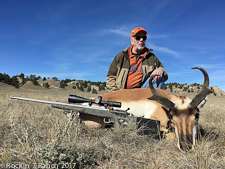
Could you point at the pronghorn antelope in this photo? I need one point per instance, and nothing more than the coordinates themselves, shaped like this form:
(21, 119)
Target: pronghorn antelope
(174, 112)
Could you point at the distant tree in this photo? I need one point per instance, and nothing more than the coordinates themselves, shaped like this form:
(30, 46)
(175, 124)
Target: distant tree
(104, 84)
(55, 78)
(171, 87)
(78, 85)
(62, 84)
(94, 91)
(195, 84)
(175, 84)
(84, 84)
(185, 89)
(32, 77)
(46, 85)
(7, 79)
(165, 86)
(74, 87)
(67, 80)
(15, 82)
(21, 76)
(27, 78)
(1, 77)
(81, 88)
(44, 79)
(181, 86)
(34, 81)
(101, 87)
(89, 88)
(96, 83)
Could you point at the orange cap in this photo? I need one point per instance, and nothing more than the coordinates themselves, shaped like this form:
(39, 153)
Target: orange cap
(136, 30)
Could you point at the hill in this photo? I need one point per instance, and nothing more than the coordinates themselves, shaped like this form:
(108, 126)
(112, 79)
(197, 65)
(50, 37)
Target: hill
(74, 86)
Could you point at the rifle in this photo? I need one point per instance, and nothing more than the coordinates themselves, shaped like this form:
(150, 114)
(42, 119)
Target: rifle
(150, 127)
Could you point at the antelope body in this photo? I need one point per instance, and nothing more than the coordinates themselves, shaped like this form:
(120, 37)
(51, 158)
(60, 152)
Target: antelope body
(173, 112)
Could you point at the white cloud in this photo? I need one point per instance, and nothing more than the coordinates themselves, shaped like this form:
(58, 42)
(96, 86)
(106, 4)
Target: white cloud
(124, 31)
(120, 31)
(164, 49)
(157, 36)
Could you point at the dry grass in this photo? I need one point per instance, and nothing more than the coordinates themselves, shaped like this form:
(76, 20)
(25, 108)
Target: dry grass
(33, 133)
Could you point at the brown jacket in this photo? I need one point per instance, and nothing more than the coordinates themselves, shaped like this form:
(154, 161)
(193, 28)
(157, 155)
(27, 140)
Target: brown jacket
(118, 71)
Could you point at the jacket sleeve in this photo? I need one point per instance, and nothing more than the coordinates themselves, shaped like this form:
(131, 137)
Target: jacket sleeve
(112, 75)
(160, 66)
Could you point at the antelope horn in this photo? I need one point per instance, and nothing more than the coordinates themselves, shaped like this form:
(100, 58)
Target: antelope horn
(204, 91)
(158, 97)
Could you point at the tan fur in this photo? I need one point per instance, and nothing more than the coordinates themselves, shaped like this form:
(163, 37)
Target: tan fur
(92, 121)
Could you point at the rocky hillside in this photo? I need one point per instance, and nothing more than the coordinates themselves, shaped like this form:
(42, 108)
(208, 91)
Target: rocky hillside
(194, 88)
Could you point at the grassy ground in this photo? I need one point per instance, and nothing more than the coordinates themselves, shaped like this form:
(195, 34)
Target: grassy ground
(36, 135)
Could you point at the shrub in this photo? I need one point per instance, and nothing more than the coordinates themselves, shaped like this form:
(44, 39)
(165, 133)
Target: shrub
(101, 87)
(46, 85)
(15, 83)
(81, 88)
(89, 89)
(94, 91)
(185, 89)
(62, 84)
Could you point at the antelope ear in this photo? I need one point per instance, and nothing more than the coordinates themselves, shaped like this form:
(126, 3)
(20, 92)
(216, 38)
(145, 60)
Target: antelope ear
(203, 102)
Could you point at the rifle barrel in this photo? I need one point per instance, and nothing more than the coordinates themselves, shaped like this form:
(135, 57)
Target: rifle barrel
(59, 103)
(33, 100)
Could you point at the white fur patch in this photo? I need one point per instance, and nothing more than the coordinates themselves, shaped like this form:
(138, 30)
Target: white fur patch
(194, 132)
(139, 108)
(203, 102)
(179, 104)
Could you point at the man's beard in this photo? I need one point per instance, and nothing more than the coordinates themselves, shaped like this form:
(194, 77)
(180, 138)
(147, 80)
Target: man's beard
(139, 48)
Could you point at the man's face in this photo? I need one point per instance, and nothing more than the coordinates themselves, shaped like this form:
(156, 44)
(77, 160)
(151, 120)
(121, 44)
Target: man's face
(139, 44)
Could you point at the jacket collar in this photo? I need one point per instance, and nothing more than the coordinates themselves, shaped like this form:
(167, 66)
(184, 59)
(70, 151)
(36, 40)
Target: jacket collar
(125, 51)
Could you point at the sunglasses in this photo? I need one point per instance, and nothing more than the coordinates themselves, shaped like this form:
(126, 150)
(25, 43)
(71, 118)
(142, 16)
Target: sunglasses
(139, 37)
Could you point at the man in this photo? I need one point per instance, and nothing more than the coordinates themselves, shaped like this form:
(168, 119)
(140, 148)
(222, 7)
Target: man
(133, 67)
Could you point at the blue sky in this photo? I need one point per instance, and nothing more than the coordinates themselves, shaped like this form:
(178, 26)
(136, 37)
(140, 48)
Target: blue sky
(78, 39)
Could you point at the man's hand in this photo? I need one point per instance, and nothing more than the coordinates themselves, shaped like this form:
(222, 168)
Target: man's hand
(157, 72)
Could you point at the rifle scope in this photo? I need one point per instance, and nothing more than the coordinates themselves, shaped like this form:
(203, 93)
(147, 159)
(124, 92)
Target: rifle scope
(106, 103)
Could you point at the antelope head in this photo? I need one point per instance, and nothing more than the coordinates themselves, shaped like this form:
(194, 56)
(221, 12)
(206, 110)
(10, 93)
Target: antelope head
(184, 113)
